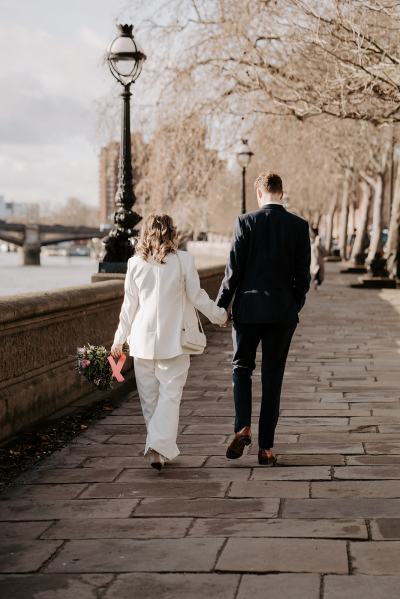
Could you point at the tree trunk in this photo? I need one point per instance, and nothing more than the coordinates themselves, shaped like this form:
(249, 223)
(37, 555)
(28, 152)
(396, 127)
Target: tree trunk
(329, 228)
(358, 252)
(344, 216)
(376, 234)
(392, 250)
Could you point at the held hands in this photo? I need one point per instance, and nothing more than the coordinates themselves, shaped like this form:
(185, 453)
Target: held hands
(116, 351)
(228, 319)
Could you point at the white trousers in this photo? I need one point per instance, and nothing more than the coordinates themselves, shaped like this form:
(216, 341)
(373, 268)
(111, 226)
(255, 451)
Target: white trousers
(160, 385)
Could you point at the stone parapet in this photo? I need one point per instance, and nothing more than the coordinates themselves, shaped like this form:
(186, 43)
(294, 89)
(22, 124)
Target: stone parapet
(39, 335)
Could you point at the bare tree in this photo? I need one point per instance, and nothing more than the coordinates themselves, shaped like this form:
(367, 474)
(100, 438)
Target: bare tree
(179, 171)
(358, 251)
(325, 64)
(392, 249)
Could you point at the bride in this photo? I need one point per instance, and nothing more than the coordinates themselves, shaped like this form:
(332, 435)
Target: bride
(151, 320)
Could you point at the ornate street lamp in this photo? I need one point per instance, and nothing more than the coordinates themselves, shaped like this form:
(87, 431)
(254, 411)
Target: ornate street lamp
(125, 61)
(244, 155)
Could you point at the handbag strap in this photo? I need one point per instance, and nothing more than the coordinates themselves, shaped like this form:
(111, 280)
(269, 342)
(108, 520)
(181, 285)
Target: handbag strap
(183, 279)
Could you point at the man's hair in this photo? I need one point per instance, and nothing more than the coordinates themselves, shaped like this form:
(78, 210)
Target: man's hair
(269, 183)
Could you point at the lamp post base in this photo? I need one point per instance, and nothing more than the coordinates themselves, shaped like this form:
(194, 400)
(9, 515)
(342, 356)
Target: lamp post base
(371, 282)
(113, 267)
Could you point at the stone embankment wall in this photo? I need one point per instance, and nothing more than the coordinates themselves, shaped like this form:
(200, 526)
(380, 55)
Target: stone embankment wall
(39, 335)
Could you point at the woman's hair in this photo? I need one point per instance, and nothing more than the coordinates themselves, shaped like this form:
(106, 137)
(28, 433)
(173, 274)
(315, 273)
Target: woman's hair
(158, 238)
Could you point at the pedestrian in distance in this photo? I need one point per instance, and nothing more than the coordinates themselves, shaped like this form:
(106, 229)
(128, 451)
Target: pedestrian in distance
(318, 253)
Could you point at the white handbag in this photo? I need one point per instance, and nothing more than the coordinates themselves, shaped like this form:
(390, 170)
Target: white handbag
(193, 339)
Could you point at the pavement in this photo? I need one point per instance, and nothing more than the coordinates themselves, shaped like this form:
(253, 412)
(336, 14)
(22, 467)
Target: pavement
(95, 521)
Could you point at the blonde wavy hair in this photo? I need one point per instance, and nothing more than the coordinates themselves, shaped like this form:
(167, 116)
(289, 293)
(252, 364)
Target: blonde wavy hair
(158, 238)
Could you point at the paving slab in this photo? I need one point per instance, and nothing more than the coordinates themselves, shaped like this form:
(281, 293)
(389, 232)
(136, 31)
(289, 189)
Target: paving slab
(361, 587)
(385, 529)
(390, 471)
(205, 508)
(386, 448)
(279, 586)
(193, 440)
(269, 489)
(73, 475)
(53, 586)
(20, 509)
(345, 448)
(250, 461)
(121, 463)
(356, 488)
(156, 488)
(25, 556)
(348, 437)
(372, 460)
(293, 473)
(173, 586)
(236, 527)
(45, 491)
(188, 474)
(349, 507)
(23, 530)
(127, 555)
(117, 528)
(277, 555)
(375, 558)
(100, 450)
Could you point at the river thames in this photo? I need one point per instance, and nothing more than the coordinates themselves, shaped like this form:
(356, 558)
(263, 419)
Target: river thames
(56, 272)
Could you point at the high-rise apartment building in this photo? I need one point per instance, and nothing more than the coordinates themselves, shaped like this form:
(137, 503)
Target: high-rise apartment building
(109, 159)
(109, 156)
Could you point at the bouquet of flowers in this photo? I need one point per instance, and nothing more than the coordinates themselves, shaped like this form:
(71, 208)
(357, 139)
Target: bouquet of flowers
(94, 365)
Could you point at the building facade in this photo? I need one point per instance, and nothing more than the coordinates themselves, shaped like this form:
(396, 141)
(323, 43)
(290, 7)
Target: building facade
(109, 156)
(19, 211)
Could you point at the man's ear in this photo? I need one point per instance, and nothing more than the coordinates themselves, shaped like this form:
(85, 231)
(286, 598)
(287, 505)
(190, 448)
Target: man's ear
(259, 193)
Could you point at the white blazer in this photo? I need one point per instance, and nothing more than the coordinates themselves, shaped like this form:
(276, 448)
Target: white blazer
(151, 317)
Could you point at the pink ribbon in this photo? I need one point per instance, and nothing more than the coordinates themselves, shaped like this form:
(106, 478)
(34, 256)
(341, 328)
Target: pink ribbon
(116, 368)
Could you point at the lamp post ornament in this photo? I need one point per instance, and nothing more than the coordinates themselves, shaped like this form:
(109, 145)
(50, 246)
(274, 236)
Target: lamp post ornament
(244, 156)
(125, 61)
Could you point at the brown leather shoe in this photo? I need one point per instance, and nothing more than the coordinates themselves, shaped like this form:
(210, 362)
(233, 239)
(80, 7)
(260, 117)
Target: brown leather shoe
(236, 448)
(265, 459)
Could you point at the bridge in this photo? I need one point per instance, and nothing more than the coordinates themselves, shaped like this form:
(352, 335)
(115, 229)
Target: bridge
(31, 237)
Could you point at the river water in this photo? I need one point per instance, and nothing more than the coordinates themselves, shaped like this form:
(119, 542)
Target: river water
(56, 272)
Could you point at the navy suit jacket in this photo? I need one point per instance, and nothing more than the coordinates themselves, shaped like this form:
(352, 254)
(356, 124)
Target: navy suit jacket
(268, 272)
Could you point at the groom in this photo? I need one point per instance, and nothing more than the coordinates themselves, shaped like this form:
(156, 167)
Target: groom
(267, 277)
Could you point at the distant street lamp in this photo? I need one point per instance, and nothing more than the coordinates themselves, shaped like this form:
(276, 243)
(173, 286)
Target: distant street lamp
(244, 157)
(125, 61)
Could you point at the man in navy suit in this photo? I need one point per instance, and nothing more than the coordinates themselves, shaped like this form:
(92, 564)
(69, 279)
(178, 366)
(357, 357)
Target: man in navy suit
(266, 281)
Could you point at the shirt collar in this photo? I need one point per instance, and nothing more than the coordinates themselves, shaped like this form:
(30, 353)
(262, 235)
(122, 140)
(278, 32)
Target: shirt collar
(270, 204)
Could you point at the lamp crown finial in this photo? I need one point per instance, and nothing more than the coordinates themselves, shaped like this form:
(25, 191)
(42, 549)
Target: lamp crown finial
(125, 29)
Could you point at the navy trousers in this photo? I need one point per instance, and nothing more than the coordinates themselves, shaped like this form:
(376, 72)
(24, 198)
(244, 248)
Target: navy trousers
(275, 341)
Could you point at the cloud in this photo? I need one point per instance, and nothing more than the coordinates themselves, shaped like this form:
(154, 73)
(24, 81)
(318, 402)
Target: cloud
(51, 79)
(50, 172)
(33, 116)
(49, 84)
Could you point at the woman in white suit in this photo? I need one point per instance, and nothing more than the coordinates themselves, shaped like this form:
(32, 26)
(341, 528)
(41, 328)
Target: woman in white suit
(151, 321)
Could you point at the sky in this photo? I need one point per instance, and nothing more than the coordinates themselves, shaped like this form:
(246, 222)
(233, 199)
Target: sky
(52, 80)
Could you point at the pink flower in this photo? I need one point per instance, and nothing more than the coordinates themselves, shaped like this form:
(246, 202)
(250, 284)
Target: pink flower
(85, 363)
(81, 350)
